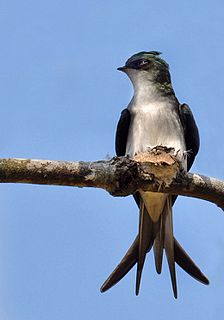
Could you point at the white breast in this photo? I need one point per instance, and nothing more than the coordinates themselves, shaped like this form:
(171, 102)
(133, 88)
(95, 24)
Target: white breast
(154, 124)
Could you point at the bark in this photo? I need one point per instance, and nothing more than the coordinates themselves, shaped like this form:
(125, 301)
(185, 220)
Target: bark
(157, 171)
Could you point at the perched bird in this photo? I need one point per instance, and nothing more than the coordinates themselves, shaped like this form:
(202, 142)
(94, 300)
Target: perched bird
(154, 117)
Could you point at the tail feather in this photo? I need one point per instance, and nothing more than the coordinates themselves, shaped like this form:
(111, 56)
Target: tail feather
(169, 243)
(159, 234)
(158, 246)
(187, 264)
(131, 257)
(145, 238)
(125, 265)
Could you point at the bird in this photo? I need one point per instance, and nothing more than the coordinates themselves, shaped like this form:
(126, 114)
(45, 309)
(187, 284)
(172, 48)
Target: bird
(154, 117)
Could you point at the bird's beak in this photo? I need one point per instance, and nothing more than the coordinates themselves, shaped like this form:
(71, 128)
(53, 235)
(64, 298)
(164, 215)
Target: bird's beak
(123, 69)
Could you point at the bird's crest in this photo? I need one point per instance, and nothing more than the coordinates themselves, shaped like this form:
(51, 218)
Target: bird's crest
(149, 55)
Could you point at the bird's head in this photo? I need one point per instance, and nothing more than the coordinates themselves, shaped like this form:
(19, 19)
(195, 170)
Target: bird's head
(148, 68)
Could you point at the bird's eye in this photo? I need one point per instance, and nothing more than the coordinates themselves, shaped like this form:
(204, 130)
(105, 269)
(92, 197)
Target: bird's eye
(143, 63)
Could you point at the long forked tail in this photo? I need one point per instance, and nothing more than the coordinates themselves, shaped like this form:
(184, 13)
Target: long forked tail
(156, 236)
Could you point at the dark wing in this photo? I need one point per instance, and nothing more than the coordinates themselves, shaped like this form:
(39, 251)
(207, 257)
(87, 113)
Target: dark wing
(191, 133)
(122, 133)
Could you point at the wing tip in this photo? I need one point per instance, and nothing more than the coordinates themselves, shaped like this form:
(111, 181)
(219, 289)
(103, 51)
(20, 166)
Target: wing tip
(109, 283)
(203, 279)
(187, 264)
(103, 289)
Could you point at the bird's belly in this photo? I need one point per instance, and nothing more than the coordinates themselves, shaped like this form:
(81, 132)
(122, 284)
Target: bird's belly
(152, 127)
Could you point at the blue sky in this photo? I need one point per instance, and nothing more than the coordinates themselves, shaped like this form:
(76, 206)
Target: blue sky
(61, 98)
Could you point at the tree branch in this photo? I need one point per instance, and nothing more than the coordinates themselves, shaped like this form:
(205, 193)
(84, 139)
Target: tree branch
(157, 171)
